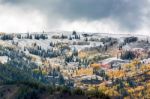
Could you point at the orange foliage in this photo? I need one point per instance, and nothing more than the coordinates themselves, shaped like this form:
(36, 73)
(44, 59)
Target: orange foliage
(116, 73)
(95, 66)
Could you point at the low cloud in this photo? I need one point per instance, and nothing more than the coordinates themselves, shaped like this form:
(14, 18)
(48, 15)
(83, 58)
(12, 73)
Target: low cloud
(95, 15)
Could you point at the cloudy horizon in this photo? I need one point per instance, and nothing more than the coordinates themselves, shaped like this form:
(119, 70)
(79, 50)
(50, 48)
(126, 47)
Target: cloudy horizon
(106, 16)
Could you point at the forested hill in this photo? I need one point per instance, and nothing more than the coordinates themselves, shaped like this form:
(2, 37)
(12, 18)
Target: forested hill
(18, 81)
(17, 84)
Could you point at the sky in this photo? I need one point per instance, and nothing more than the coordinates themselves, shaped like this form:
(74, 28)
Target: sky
(103, 16)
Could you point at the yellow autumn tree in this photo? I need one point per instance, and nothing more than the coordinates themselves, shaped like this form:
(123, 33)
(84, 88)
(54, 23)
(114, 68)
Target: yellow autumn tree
(84, 71)
(145, 67)
(116, 73)
(94, 65)
(111, 92)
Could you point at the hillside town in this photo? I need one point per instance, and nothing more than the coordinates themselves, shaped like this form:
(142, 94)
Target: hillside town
(116, 65)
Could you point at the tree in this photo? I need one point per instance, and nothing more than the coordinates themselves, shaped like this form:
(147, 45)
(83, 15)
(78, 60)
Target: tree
(86, 39)
(74, 33)
(61, 80)
(129, 55)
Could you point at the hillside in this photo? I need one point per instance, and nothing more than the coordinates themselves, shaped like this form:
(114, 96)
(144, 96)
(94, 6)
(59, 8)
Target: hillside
(17, 84)
(47, 65)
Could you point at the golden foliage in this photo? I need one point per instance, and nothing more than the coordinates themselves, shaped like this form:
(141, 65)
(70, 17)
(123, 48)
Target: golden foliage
(82, 54)
(135, 62)
(139, 88)
(91, 88)
(95, 66)
(84, 71)
(111, 92)
(116, 73)
(132, 64)
(130, 90)
(145, 67)
(102, 88)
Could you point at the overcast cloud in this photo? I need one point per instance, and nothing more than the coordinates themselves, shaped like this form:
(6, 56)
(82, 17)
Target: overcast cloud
(125, 16)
